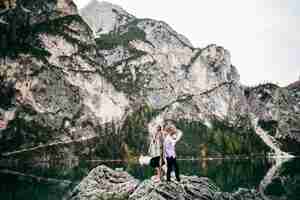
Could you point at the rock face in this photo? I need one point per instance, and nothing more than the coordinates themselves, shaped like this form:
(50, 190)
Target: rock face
(61, 84)
(152, 63)
(278, 112)
(49, 9)
(103, 17)
(50, 89)
(104, 183)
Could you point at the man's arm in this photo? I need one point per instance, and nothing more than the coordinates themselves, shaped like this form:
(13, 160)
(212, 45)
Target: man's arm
(179, 135)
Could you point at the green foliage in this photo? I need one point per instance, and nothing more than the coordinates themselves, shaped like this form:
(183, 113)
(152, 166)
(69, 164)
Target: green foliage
(114, 39)
(192, 138)
(125, 81)
(266, 84)
(109, 145)
(7, 91)
(13, 51)
(25, 131)
(136, 130)
(269, 126)
(108, 41)
(221, 140)
(28, 37)
(60, 26)
(133, 134)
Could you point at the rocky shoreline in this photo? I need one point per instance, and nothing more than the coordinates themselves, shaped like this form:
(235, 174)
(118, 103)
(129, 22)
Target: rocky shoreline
(103, 183)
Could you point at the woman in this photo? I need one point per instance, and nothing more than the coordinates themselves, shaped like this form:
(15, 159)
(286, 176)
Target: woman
(156, 160)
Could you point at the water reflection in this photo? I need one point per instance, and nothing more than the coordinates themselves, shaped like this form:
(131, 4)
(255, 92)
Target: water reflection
(229, 175)
(282, 181)
(17, 188)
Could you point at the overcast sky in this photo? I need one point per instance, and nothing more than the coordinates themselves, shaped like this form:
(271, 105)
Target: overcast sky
(263, 36)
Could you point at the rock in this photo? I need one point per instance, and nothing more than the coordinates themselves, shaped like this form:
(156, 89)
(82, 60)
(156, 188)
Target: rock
(241, 194)
(53, 94)
(104, 183)
(42, 11)
(104, 17)
(150, 62)
(278, 111)
(189, 188)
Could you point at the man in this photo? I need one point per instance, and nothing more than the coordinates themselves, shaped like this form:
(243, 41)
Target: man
(169, 146)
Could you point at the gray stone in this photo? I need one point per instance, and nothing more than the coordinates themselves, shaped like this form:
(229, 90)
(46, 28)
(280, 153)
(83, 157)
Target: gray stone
(106, 184)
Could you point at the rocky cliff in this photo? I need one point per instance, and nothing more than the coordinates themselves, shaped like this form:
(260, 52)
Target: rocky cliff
(50, 88)
(66, 80)
(150, 62)
(278, 112)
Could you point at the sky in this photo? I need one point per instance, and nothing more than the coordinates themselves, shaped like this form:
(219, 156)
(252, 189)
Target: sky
(263, 36)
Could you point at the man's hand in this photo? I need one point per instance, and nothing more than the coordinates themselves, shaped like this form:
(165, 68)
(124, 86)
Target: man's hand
(3, 124)
(178, 135)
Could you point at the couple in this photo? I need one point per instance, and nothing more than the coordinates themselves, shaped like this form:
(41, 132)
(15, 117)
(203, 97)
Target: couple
(163, 148)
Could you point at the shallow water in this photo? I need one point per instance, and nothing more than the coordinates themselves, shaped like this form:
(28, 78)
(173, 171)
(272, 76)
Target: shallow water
(29, 181)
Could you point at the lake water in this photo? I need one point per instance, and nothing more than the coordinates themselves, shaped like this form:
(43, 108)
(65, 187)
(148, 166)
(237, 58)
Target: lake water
(30, 181)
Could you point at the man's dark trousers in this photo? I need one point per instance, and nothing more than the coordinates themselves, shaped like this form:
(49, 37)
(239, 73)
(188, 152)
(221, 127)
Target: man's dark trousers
(171, 162)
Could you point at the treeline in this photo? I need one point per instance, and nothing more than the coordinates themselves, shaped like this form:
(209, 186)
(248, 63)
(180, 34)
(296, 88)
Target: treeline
(131, 138)
(126, 141)
(222, 139)
(114, 39)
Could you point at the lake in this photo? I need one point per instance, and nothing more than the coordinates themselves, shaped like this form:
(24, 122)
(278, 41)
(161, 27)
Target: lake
(44, 181)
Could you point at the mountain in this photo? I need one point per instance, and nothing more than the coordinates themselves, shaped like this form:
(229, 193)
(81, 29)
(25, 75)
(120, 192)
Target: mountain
(41, 102)
(104, 17)
(100, 82)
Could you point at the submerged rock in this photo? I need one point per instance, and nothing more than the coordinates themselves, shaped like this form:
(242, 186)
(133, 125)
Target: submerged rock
(241, 194)
(105, 183)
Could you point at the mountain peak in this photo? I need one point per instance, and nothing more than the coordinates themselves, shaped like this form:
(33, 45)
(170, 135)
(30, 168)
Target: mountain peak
(104, 17)
(103, 4)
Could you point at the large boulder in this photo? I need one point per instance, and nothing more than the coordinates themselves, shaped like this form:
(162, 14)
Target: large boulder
(190, 188)
(104, 183)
